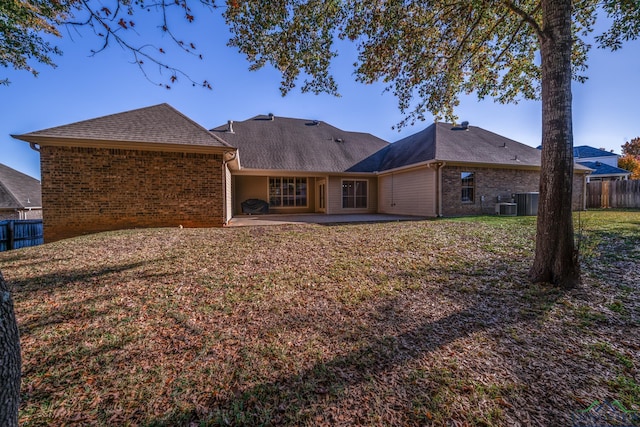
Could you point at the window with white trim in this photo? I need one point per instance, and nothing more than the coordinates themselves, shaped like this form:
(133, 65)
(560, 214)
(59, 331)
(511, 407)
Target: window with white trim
(287, 192)
(354, 193)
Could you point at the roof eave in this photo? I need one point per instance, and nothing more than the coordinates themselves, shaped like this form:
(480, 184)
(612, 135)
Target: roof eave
(301, 173)
(45, 141)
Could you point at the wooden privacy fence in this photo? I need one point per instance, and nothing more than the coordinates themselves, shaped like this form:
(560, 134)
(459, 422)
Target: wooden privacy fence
(613, 194)
(20, 234)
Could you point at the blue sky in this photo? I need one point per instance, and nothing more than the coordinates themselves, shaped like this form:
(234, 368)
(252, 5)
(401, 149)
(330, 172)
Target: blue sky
(605, 109)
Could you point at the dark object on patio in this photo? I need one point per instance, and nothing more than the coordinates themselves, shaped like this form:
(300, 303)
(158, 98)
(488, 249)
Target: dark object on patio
(255, 206)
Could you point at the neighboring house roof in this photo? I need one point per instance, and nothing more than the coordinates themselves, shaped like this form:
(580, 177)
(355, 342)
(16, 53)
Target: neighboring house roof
(584, 151)
(603, 169)
(158, 124)
(17, 190)
(280, 143)
(456, 144)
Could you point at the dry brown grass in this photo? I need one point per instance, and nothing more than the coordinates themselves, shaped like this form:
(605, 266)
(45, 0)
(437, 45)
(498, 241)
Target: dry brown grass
(407, 323)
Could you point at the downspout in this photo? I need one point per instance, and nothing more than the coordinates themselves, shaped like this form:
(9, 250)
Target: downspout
(584, 191)
(34, 146)
(224, 183)
(439, 173)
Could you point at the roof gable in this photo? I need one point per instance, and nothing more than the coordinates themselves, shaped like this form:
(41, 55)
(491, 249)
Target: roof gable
(158, 124)
(18, 190)
(449, 143)
(281, 143)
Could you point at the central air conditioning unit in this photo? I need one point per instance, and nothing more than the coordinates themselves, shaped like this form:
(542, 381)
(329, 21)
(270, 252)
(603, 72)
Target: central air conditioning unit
(527, 203)
(506, 209)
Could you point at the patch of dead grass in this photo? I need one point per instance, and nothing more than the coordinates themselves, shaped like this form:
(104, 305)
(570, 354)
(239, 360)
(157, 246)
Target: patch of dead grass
(408, 323)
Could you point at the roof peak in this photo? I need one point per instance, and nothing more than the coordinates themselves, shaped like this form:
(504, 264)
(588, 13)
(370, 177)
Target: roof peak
(159, 124)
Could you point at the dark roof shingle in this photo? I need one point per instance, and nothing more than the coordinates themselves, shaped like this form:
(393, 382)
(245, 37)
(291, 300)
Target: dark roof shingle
(281, 143)
(18, 190)
(161, 124)
(449, 143)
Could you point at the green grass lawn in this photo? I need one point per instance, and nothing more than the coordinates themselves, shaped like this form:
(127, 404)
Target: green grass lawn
(408, 323)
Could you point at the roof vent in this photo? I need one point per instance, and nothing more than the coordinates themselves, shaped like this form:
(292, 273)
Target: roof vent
(316, 123)
(230, 126)
(271, 116)
(465, 125)
(338, 140)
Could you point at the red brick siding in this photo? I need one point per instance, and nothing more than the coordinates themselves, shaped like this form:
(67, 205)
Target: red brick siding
(87, 190)
(491, 183)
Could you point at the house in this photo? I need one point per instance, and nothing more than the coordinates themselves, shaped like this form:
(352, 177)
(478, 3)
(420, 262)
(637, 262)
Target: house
(20, 196)
(155, 167)
(604, 164)
(301, 166)
(142, 168)
(310, 166)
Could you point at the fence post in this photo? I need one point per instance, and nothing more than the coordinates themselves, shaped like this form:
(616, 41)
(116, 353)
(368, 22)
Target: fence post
(10, 235)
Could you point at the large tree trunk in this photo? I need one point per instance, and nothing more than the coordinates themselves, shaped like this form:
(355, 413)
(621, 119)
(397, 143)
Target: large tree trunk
(9, 359)
(556, 259)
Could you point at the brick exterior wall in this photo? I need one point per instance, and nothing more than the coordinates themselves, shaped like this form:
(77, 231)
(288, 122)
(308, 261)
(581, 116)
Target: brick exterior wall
(86, 190)
(491, 183)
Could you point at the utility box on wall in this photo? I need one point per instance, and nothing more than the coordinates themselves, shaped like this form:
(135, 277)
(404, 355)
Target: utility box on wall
(506, 209)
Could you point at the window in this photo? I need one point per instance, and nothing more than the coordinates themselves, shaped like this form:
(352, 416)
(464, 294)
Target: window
(287, 192)
(354, 193)
(468, 187)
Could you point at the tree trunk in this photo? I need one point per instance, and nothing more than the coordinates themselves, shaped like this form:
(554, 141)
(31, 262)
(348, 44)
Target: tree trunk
(9, 359)
(556, 258)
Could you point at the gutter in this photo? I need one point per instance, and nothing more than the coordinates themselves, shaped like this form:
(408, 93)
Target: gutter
(439, 175)
(234, 155)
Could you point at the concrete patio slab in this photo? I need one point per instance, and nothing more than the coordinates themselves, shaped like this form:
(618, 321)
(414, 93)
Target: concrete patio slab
(279, 219)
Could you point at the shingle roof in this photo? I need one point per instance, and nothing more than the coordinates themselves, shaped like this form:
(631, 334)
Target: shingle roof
(600, 169)
(298, 145)
(17, 190)
(449, 143)
(584, 151)
(161, 124)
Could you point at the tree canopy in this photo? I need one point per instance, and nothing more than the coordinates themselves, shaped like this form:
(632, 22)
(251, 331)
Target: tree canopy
(632, 147)
(427, 52)
(22, 28)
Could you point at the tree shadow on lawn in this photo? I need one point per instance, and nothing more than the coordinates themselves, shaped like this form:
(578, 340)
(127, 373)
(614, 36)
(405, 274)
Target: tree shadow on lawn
(65, 278)
(79, 309)
(309, 396)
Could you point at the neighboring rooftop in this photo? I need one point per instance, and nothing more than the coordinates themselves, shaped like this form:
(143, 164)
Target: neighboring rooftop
(585, 152)
(160, 124)
(281, 143)
(18, 190)
(603, 169)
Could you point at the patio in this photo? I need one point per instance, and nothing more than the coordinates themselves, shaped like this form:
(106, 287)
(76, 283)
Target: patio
(280, 219)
